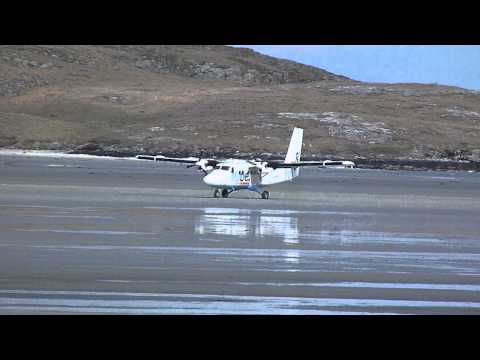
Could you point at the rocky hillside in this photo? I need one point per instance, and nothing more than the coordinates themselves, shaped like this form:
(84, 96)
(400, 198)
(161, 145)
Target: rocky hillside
(125, 100)
(46, 65)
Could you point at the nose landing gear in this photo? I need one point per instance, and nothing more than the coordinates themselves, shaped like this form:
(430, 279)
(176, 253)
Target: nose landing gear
(265, 194)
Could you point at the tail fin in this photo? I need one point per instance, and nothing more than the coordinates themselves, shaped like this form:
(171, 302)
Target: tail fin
(295, 148)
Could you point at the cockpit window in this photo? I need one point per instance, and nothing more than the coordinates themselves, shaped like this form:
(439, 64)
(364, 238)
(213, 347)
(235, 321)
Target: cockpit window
(225, 168)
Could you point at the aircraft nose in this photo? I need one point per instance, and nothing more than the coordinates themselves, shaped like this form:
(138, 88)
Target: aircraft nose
(215, 178)
(210, 179)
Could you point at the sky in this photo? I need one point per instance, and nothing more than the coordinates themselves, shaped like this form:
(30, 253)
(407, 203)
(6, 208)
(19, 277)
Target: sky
(457, 65)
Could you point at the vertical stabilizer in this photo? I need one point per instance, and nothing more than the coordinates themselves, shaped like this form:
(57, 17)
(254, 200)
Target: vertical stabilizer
(295, 148)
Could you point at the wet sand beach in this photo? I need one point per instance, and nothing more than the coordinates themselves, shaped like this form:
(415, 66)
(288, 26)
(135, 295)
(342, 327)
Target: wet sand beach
(120, 236)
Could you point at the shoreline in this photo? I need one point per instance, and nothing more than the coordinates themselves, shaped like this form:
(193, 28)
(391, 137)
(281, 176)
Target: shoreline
(383, 164)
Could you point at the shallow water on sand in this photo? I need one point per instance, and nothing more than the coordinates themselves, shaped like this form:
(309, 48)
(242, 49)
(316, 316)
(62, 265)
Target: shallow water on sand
(70, 243)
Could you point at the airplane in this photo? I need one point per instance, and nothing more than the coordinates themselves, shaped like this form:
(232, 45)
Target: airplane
(229, 175)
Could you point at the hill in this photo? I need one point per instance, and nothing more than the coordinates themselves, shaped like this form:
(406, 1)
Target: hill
(124, 100)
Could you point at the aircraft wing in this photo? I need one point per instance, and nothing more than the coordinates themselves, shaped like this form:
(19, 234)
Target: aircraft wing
(189, 160)
(203, 164)
(282, 164)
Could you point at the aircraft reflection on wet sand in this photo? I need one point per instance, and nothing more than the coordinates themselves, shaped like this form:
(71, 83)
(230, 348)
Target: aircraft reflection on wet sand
(240, 222)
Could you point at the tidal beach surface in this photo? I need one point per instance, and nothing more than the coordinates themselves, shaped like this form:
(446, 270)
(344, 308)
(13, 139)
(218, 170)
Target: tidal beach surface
(122, 236)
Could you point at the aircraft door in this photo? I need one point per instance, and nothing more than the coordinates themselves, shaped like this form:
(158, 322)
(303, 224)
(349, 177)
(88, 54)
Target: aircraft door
(255, 175)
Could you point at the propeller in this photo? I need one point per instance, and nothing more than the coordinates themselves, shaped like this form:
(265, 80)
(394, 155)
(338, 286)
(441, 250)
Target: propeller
(201, 163)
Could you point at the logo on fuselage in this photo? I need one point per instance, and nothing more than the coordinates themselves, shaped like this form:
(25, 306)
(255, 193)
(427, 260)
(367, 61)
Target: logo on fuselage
(244, 178)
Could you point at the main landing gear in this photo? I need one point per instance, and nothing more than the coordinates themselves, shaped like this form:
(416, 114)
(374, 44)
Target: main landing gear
(224, 193)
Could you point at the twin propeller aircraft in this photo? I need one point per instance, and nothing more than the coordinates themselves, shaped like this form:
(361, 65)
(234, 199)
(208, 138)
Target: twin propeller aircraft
(229, 175)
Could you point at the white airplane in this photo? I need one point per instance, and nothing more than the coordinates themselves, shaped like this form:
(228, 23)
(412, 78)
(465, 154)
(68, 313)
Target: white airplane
(229, 175)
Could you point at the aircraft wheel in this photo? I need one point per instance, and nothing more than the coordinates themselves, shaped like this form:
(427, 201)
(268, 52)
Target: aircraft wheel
(225, 193)
(265, 195)
(216, 193)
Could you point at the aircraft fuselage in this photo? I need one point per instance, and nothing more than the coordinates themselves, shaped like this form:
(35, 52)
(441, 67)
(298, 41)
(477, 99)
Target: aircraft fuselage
(242, 174)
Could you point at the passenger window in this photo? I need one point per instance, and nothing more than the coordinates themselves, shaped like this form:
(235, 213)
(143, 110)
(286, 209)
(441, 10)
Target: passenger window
(232, 170)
